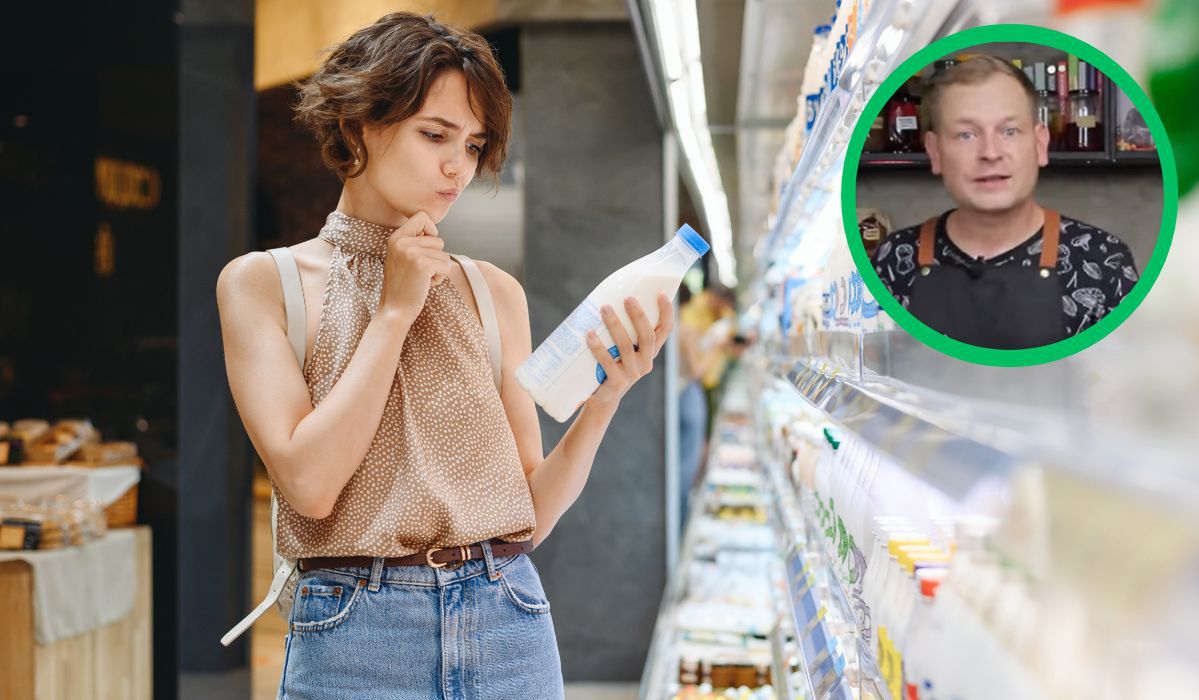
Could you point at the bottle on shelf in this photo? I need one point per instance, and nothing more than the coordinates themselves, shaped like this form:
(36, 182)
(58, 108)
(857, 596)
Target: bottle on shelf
(1063, 106)
(1048, 112)
(903, 122)
(1084, 131)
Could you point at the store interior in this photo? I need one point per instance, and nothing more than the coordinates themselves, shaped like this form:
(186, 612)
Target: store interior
(867, 517)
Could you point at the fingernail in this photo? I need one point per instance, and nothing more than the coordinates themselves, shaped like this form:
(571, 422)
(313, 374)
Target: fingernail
(608, 309)
(628, 301)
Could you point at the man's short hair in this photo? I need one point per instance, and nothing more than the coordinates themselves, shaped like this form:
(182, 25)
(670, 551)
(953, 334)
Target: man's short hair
(972, 71)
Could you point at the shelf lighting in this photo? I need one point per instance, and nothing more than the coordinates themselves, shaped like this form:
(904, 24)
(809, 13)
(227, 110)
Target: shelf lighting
(676, 35)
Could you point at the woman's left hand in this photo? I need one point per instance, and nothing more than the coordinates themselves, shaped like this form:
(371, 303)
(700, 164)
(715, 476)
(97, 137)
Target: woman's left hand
(635, 361)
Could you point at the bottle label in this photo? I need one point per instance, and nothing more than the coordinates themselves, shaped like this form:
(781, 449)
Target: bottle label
(1086, 122)
(553, 356)
(906, 123)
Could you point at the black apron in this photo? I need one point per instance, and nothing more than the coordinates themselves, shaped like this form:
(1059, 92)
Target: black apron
(1008, 307)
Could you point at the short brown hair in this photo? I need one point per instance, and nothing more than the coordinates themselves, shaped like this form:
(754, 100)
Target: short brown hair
(972, 71)
(381, 76)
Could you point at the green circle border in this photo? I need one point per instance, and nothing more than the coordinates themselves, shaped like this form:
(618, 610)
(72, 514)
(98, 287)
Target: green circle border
(964, 40)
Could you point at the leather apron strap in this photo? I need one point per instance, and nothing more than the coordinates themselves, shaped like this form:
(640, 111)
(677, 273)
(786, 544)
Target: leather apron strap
(1004, 307)
(1051, 233)
(926, 251)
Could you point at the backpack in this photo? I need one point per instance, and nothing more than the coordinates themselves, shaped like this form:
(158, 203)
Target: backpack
(283, 586)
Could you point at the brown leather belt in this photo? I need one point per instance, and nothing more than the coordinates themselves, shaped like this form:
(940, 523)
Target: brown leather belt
(436, 558)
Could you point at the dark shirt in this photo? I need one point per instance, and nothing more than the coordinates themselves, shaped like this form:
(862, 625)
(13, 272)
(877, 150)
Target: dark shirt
(1096, 269)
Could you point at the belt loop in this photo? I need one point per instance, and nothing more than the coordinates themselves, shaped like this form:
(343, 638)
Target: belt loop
(492, 574)
(376, 575)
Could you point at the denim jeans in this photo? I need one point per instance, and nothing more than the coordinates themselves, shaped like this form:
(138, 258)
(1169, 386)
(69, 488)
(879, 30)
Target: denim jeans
(693, 426)
(413, 632)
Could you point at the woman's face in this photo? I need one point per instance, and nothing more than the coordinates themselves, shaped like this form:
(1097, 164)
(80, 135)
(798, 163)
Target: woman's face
(424, 162)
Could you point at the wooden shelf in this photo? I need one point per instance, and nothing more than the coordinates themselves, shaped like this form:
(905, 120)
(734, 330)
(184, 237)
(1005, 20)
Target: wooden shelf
(1058, 159)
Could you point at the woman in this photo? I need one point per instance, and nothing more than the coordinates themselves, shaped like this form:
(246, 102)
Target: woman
(408, 487)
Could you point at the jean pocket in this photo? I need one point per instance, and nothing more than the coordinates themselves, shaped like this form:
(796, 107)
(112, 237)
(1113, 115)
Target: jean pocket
(323, 603)
(522, 585)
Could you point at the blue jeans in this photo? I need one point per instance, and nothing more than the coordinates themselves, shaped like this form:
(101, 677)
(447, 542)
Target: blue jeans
(693, 424)
(413, 632)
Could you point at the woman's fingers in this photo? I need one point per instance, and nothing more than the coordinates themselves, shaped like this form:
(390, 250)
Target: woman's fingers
(606, 361)
(665, 323)
(646, 341)
(619, 335)
(419, 224)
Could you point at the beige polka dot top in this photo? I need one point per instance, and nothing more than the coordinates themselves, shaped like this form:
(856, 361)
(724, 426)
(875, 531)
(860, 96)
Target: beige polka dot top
(443, 469)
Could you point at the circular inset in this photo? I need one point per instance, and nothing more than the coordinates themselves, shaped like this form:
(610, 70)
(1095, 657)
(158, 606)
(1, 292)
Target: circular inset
(1026, 283)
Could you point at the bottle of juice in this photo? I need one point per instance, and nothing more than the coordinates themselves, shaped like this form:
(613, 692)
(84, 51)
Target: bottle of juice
(561, 373)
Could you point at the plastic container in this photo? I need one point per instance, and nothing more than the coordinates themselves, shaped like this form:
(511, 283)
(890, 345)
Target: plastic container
(561, 373)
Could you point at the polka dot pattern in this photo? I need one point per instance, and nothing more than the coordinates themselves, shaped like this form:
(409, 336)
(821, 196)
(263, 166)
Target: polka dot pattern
(443, 469)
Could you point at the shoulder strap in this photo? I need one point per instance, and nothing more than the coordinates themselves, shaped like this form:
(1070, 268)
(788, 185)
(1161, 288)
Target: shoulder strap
(491, 331)
(926, 252)
(293, 300)
(1051, 232)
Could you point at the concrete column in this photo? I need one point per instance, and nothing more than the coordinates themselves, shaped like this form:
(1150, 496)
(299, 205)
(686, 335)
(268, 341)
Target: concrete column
(216, 152)
(594, 200)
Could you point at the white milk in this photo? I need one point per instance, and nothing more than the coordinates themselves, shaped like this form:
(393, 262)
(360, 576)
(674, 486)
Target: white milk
(561, 373)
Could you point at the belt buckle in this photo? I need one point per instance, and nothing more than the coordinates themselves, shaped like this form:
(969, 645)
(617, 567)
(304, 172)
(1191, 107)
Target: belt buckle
(452, 566)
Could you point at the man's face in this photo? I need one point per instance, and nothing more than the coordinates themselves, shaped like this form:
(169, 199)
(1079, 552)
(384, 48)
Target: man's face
(988, 147)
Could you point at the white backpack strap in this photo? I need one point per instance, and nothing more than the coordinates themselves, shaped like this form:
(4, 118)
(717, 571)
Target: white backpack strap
(297, 322)
(282, 575)
(293, 300)
(491, 329)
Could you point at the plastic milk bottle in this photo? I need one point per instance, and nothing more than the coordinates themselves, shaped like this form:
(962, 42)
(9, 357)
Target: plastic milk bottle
(561, 373)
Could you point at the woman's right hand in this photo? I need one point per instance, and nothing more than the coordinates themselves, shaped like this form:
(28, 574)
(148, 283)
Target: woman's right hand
(414, 262)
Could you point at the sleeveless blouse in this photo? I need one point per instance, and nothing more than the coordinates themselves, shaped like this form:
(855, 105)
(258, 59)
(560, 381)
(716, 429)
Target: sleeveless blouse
(443, 469)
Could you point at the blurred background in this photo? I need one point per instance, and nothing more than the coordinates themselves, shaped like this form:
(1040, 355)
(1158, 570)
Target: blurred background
(145, 144)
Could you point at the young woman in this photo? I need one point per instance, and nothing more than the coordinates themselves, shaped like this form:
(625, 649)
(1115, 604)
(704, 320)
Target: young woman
(409, 488)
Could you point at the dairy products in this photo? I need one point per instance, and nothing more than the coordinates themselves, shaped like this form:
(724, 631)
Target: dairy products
(561, 373)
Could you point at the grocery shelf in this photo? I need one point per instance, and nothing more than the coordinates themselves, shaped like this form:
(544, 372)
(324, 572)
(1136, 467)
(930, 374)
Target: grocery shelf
(803, 577)
(873, 162)
(869, 55)
(954, 440)
(779, 668)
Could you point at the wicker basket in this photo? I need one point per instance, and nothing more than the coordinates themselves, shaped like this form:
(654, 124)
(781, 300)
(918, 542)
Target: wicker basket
(123, 511)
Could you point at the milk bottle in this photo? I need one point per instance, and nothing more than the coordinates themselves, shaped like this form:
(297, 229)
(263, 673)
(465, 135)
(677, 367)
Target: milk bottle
(561, 373)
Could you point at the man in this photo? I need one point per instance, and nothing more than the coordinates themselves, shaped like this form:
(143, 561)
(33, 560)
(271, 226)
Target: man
(999, 271)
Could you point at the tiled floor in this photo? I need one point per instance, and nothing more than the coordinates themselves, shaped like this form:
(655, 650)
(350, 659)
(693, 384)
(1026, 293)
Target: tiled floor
(266, 644)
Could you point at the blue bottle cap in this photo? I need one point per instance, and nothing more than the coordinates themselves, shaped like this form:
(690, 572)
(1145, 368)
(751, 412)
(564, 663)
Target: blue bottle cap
(693, 239)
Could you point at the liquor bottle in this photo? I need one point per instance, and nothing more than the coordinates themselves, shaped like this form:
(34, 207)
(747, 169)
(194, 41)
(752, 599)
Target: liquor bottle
(1084, 131)
(903, 123)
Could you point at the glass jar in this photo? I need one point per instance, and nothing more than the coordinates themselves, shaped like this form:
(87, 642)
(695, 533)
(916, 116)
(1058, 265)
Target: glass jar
(1084, 129)
(876, 139)
(903, 124)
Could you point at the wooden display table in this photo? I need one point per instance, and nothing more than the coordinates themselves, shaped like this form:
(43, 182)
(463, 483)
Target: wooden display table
(112, 661)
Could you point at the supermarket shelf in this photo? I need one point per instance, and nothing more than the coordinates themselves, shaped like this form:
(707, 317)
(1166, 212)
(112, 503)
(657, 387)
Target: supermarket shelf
(654, 677)
(910, 428)
(1141, 158)
(820, 651)
(803, 577)
(834, 123)
(919, 161)
(780, 676)
(953, 441)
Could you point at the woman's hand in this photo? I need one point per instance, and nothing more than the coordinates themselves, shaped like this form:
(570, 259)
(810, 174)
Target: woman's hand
(414, 262)
(635, 361)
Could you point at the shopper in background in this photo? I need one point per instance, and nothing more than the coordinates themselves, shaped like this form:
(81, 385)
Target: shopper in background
(409, 488)
(705, 344)
(999, 271)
